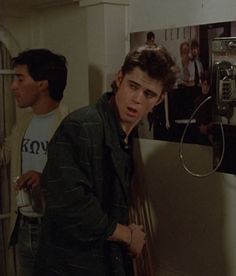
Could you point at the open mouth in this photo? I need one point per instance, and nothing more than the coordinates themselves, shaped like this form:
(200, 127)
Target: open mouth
(132, 112)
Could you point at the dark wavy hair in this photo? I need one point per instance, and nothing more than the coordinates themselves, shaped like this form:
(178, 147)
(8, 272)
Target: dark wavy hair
(43, 64)
(150, 35)
(157, 63)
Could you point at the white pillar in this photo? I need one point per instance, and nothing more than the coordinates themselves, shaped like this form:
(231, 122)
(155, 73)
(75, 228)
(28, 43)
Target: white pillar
(107, 30)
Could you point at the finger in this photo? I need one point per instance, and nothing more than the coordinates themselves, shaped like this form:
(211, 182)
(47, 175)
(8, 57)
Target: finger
(20, 182)
(29, 179)
(24, 182)
(141, 227)
(132, 226)
(35, 184)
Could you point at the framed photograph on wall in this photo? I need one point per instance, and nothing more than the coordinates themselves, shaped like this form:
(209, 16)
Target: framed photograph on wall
(190, 47)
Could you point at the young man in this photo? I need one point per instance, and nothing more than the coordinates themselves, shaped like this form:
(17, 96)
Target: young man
(184, 50)
(204, 115)
(195, 67)
(87, 178)
(39, 80)
(150, 40)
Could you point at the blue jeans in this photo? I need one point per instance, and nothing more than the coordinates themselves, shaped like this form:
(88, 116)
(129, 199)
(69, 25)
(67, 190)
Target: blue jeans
(27, 246)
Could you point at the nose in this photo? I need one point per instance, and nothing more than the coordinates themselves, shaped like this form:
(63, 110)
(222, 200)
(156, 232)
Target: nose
(138, 96)
(13, 86)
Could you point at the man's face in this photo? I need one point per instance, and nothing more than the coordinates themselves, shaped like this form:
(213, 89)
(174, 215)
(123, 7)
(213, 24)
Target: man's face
(205, 87)
(26, 90)
(195, 52)
(137, 94)
(185, 50)
(151, 41)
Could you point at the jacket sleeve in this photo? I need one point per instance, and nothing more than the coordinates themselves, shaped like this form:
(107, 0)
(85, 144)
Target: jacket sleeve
(71, 202)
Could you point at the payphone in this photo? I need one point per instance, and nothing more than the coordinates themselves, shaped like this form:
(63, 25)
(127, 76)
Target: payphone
(223, 87)
(223, 98)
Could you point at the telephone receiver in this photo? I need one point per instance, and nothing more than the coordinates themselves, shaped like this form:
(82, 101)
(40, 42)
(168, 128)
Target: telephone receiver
(223, 89)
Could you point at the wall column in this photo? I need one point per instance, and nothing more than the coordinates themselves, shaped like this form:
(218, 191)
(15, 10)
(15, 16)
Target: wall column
(108, 41)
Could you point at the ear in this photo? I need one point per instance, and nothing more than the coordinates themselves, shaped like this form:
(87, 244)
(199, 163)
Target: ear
(43, 85)
(161, 98)
(119, 78)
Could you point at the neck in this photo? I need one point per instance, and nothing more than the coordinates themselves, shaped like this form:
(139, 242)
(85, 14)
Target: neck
(127, 128)
(45, 106)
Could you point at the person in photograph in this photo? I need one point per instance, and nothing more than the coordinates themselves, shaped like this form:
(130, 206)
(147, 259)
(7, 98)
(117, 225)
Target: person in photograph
(184, 75)
(40, 77)
(150, 40)
(204, 114)
(195, 66)
(87, 178)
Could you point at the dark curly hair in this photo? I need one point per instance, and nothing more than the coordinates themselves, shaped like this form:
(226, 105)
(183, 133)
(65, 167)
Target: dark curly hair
(157, 63)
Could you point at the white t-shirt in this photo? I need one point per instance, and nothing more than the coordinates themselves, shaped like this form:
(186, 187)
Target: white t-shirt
(191, 68)
(34, 149)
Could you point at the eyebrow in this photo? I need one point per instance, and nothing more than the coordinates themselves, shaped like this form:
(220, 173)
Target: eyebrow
(154, 94)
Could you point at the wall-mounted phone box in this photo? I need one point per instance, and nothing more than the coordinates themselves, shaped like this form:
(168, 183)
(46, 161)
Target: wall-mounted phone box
(223, 61)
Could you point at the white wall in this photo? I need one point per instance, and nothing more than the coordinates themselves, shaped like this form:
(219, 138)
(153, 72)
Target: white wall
(15, 33)
(158, 14)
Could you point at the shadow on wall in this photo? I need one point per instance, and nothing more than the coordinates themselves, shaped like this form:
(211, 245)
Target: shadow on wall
(187, 212)
(95, 83)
